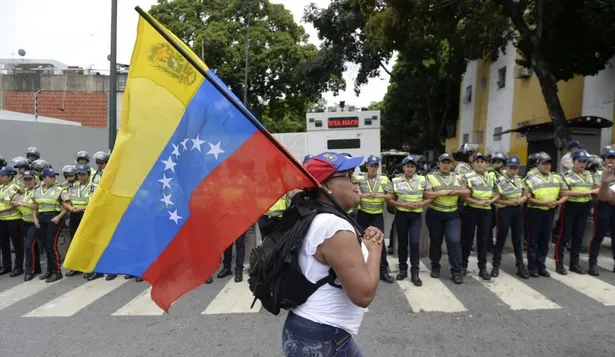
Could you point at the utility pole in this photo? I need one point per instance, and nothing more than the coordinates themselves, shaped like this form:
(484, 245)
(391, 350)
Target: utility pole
(245, 78)
(113, 77)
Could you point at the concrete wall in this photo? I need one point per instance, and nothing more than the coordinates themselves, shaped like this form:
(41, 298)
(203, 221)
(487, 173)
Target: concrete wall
(599, 99)
(57, 143)
(466, 109)
(501, 101)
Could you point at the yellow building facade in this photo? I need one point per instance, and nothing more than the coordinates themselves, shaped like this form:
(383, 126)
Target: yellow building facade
(500, 96)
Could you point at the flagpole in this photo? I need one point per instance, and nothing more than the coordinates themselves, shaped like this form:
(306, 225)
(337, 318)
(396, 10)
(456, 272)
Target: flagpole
(243, 110)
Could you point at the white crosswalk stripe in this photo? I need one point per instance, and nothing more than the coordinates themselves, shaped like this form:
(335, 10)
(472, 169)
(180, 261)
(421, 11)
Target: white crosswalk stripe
(142, 305)
(585, 284)
(514, 293)
(227, 297)
(234, 298)
(432, 296)
(76, 299)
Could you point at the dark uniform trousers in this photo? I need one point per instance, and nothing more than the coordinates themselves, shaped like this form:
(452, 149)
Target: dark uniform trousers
(604, 221)
(573, 221)
(10, 231)
(75, 220)
(509, 218)
(408, 226)
(365, 220)
(32, 252)
(50, 232)
(240, 247)
(479, 221)
(444, 225)
(539, 236)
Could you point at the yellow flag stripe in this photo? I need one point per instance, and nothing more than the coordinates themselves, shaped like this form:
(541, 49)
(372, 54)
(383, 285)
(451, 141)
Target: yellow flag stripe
(160, 85)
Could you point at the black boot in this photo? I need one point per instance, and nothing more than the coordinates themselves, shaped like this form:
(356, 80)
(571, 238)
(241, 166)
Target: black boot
(403, 274)
(386, 277)
(457, 278)
(576, 268)
(544, 273)
(560, 269)
(238, 275)
(522, 271)
(495, 272)
(484, 274)
(111, 277)
(593, 270)
(435, 272)
(414, 278)
(224, 273)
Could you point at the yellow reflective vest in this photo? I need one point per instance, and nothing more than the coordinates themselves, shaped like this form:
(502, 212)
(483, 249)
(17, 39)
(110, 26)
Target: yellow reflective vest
(583, 182)
(446, 184)
(26, 197)
(481, 186)
(509, 189)
(375, 185)
(7, 192)
(408, 190)
(544, 188)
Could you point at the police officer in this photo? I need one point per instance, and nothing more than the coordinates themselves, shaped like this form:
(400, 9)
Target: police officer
(476, 216)
(442, 217)
(25, 204)
(543, 192)
(405, 193)
(53, 203)
(32, 153)
(10, 218)
(498, 165)
(101, 158)
(39, 165)
(574, 213)
(21, 164)
(80, 194)
(240, 247)
(2, 162)
(83, 158)
(510, 215)
(463, 157)
(604, 218)
(371, 206)
(70, 175)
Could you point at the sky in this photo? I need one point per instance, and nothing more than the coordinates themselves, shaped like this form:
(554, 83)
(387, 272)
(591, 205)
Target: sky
(77, 33)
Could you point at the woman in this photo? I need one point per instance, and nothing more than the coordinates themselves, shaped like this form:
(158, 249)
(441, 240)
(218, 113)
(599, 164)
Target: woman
(324, 324)
(25, 204)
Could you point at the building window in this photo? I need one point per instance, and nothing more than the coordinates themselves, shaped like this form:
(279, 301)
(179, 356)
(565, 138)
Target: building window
(451, 129)
(341, 144)
(466, 138)
(468, 95)
(479, 137)
(483, 83)
(497, 134)
(502, 77)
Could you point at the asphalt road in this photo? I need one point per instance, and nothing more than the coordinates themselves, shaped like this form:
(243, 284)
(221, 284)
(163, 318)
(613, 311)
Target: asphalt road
(561, 316)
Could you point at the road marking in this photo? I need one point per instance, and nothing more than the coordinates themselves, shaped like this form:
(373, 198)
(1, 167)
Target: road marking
(586, 284)
(76, 299)
(432, 296)
(234, 298)
(142, 305)
(514, 293)
(22, 291)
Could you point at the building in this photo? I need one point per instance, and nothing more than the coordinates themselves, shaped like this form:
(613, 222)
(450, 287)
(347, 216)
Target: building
(501, 108)
(52, 89)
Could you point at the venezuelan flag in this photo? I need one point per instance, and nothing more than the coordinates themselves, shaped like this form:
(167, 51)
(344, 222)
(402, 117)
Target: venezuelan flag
(189, 173)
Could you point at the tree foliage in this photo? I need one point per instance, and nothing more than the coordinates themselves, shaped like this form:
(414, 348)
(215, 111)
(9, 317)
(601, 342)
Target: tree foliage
(560, 39)
(287, 75)
(434, 41)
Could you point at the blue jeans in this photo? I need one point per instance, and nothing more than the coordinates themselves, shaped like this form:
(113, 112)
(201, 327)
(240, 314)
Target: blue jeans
(305, 338)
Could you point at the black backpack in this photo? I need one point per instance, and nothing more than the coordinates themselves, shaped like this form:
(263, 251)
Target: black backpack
(275, 276)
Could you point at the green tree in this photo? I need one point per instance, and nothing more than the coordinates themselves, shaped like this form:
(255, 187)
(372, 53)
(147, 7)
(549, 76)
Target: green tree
(434, 39)
(560, 39)
(287, 75)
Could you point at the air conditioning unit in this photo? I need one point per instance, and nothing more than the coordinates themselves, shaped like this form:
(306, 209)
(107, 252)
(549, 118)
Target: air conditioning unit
(351, 108)
(525, 72)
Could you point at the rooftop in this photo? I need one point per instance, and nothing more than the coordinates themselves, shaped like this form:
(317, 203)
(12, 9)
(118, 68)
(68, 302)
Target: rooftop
(15, 116)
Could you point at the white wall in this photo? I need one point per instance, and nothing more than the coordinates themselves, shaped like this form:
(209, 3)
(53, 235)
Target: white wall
(500, 107)
(466, 112)
(599, 98)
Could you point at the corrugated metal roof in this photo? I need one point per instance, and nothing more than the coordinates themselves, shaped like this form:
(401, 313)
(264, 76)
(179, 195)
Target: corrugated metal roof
(15, 116)
(17, 61)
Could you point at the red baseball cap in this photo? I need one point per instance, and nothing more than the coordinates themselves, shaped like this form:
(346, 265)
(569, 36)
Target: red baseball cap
(326, 164)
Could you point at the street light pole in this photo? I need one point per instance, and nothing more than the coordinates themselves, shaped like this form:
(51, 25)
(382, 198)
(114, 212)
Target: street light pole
(113, 77)
(245, 78)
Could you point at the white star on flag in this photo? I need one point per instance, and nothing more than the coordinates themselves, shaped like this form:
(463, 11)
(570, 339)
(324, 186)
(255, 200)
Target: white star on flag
(215, 150)
(185, 144)
(175, 150)
(169, 164)
(167, 200)
(173, 216)
(196, 143)
(165, 181)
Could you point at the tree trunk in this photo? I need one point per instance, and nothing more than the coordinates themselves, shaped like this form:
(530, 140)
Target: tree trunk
(561, 131)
